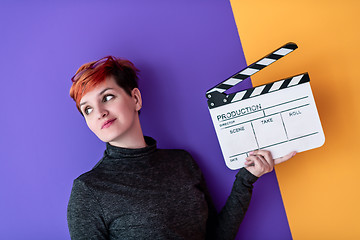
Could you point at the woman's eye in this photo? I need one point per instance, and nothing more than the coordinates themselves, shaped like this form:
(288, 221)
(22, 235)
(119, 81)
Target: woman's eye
(88, 110)
(108, 97)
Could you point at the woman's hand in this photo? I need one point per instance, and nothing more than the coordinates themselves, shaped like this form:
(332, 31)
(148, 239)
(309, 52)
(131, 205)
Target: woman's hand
(261, 161)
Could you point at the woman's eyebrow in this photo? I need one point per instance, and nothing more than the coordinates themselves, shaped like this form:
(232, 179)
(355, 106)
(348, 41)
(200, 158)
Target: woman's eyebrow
(104, 91)
(100, 93)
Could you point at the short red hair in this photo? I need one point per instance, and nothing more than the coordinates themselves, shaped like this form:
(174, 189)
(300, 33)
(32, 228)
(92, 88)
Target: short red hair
(91, 74)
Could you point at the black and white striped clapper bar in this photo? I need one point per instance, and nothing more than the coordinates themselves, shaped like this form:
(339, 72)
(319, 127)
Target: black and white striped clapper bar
(280, 116)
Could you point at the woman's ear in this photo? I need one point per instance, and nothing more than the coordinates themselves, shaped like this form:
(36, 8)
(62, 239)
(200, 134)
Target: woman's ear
(136, 95)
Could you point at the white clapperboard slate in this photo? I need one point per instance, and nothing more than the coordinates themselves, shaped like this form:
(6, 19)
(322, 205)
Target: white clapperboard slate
(280, 116)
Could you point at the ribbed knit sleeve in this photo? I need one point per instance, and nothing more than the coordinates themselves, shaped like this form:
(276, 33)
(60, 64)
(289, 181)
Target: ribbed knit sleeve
(84, 214)
(225, 224)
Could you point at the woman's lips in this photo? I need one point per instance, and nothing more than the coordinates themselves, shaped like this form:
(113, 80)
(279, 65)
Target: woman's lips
(108, 123)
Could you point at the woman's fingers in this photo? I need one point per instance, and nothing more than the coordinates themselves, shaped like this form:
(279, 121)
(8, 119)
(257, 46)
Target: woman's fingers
(284, 158)
(266, 155)
(260, 162)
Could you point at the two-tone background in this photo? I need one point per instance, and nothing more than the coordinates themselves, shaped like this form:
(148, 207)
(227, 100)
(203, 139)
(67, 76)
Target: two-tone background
(182, 48)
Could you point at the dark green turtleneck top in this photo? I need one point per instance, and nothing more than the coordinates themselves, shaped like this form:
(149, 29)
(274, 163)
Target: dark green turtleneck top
(152, 193)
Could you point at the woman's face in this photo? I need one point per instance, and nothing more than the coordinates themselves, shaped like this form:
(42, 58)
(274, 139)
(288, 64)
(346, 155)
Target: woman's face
(110, 112)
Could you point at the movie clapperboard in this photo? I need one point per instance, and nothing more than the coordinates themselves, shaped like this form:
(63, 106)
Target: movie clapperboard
(280, 116)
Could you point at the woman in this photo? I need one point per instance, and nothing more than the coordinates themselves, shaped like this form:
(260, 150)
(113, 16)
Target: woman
(137, 191)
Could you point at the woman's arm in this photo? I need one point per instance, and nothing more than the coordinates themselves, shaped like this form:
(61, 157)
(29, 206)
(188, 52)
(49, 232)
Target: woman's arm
(225, 225)
(84, 214)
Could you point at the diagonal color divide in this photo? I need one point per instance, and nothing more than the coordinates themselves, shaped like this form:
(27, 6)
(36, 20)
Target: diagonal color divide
(319, 187)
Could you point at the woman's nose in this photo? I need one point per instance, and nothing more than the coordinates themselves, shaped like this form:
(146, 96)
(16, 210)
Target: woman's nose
(103, 113)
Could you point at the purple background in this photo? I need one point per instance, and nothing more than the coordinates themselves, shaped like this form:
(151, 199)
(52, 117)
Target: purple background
(182, 48)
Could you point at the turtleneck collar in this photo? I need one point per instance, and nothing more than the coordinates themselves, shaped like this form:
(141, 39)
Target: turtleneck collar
(118, 152)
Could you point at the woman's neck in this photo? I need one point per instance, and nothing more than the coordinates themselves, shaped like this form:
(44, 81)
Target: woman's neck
(133, 139)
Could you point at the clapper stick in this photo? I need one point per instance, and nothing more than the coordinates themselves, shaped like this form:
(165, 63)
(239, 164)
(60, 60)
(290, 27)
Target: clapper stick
(250, 70)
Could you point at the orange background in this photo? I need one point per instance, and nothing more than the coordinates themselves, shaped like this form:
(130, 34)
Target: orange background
(320, 187)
